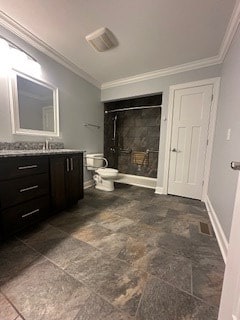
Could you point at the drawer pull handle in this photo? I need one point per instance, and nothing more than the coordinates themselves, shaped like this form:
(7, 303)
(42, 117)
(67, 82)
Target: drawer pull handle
(30, 213)
(28, 167)
(29, 188)
(68, 165)
(71, 162)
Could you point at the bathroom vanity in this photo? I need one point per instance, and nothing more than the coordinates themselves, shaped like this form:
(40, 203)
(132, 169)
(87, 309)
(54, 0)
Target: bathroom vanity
(36, 184)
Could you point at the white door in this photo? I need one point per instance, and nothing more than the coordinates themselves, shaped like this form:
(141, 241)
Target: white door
(230, 301)
(191, 114)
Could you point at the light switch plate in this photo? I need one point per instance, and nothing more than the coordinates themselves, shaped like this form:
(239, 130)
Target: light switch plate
(229, 135)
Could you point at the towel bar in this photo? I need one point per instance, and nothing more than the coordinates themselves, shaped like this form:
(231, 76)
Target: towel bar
(91, 125)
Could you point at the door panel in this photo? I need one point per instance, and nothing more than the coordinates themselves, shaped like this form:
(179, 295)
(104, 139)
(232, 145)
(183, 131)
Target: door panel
(181, 141)
(66, 180)
(58, 189)
(186, 111)
(191, 113)
(194, 155)
(74, 183)
(230, 300)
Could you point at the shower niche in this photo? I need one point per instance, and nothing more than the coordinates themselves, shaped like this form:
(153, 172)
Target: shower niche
(131, 135)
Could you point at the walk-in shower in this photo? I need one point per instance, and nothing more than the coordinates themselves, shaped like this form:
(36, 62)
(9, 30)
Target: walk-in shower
(131, 135)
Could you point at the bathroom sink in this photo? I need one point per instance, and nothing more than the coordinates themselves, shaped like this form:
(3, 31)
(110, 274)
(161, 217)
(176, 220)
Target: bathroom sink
(6, 153)
(53, 151)
(56, 150)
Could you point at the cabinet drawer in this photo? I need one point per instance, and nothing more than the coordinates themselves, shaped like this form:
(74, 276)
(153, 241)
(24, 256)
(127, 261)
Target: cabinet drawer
(16, 191)
(18, 217)
(22, 166)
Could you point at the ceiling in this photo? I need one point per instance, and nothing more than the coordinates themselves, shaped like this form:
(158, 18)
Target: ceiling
(152, 34)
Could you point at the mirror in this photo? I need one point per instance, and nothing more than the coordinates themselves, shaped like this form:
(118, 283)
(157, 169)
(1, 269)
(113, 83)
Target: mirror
(34, 106)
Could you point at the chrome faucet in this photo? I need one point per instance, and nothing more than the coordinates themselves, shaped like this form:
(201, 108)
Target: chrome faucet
(47, 144)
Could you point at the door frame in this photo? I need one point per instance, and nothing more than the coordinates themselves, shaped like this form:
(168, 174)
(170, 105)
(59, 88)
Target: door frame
(230, 299)
(215, 82)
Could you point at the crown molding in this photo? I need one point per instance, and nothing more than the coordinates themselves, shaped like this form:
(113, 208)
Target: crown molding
(163, 72)
(30, 38)
(230, 32)
(203, 63)
(17, 29)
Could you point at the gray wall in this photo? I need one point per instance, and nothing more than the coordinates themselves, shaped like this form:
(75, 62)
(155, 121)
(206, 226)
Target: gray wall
(223, 180)
(79, 102)
(161, 84)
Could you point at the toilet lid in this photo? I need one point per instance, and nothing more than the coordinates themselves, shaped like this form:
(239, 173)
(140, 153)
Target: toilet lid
(106, 170)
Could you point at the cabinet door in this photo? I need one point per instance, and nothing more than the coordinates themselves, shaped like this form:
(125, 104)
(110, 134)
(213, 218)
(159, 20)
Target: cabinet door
(18, 217)
(23, 189)
(74, 179)
(58, 188)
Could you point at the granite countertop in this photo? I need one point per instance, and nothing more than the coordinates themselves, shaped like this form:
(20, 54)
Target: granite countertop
(16, 153)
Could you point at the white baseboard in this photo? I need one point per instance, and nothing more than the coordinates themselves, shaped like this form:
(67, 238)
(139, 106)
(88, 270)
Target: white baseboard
(88, 184)
(221, 238)
(139, 181)
(159, 190)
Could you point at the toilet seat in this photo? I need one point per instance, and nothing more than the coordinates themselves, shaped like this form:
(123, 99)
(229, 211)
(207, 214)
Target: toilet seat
(104, 177)
(107, 173)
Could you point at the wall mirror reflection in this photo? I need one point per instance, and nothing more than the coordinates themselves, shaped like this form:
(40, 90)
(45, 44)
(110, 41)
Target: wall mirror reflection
(34, 106)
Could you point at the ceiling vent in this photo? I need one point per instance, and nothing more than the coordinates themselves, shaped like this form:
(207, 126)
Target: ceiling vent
(102, 40)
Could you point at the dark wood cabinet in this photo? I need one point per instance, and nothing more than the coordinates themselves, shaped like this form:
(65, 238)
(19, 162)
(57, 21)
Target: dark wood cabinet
(66, 174)
(24, 192)
(19, 190)
(33, 187)
(19, 217)
(74, 180)
(17, 167)
(57, 178)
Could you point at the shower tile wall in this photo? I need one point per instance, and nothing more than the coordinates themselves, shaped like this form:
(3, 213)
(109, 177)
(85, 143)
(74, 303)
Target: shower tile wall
(137, 130)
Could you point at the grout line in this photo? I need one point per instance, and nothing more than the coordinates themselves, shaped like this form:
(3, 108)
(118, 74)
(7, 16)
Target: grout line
(125, 262)
(10, 302)
(96, 248)
(192, 278)
(80, 281)
(186, 292)
(113, 258)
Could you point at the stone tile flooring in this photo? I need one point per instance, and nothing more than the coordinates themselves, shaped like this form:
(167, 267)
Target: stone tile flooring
(129, 254)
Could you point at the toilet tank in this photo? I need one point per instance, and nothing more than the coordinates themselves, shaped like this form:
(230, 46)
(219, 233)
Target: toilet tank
(94, 161)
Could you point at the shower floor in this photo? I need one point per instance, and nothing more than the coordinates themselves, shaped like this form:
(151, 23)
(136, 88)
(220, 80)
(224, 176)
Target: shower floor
(129, 254)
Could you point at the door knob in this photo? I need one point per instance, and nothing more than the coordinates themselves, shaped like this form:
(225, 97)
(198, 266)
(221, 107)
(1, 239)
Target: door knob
(235, 165)
(174, 150)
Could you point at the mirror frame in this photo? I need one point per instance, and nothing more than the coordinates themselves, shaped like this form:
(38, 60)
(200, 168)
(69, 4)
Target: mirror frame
(16, 129)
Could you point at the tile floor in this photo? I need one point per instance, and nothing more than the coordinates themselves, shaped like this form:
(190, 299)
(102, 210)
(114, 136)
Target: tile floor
(130, 254)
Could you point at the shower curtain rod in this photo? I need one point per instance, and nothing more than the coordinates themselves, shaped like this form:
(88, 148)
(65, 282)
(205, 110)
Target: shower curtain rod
(133, 108)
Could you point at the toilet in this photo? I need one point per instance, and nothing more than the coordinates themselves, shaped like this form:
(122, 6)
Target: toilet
(104, 177)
